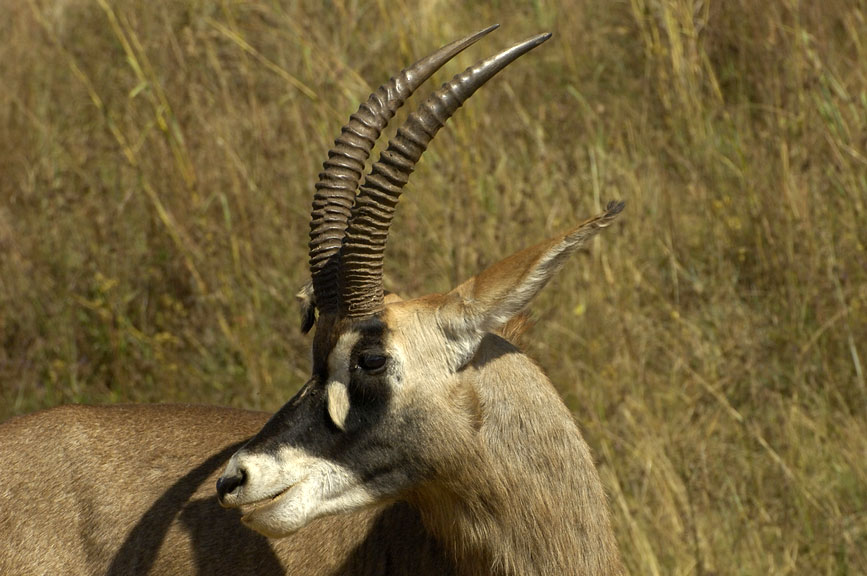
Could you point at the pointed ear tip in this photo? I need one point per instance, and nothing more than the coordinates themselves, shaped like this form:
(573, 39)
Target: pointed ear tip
(615, 207)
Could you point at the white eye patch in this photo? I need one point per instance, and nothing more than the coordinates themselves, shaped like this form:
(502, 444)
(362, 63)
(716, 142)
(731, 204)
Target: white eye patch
(338, 403)
(336, 393)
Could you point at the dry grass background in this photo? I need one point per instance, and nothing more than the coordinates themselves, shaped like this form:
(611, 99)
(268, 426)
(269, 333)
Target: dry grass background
(156, 166)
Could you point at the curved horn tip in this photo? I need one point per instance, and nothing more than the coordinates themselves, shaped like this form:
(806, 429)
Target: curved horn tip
(487, 30)
(475, 36)
(424, 68)
(531, 43)
(483, 71)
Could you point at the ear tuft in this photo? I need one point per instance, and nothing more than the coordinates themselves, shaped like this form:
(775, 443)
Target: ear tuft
(614, 208)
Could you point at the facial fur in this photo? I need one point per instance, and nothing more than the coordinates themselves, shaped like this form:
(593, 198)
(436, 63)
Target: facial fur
(347, 440)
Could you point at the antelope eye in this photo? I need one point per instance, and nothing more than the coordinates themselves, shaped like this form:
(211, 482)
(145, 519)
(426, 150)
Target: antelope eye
(372, 363)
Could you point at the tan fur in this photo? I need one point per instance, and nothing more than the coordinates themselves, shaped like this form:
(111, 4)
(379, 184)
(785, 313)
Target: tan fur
(502, 484)
(516, 329)
(126, 490)
(517, 491)
(511, 486)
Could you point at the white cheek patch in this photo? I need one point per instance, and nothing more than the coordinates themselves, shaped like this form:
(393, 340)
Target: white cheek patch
(307, 487)
(338, 403)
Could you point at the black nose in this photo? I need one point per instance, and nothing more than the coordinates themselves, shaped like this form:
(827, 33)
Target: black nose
(228, 484)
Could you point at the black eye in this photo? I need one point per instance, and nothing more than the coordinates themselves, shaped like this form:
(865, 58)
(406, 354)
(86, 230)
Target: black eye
(371, 362)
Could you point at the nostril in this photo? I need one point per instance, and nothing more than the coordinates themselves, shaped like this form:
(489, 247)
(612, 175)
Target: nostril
(228, 484)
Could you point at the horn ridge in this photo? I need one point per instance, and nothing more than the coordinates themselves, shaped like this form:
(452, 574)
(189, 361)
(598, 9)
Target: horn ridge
(367, 231)
(344, 167)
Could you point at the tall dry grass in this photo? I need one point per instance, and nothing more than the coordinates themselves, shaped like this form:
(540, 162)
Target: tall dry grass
(156, 164)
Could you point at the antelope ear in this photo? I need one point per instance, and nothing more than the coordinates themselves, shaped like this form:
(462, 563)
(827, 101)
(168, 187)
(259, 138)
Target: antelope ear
(486, 302)
(307, 305)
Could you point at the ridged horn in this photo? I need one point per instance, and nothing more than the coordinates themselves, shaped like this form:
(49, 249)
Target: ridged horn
(367, 233)
(342, 171)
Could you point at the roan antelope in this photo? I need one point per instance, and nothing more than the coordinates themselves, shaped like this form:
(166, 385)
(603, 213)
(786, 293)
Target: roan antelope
(423, 443)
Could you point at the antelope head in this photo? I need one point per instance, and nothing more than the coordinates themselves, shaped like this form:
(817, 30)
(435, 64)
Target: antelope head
(390, 409)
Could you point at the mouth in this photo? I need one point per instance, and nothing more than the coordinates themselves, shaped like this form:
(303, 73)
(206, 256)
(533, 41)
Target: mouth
(249, 509)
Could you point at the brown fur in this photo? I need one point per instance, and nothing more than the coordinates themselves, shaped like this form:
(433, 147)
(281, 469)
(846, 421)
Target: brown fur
(502, 482)
(520, 494)
(515, 329)
(127, 490)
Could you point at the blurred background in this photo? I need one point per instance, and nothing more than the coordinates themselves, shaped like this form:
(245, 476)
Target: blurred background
(157, 162)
